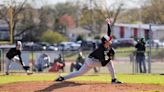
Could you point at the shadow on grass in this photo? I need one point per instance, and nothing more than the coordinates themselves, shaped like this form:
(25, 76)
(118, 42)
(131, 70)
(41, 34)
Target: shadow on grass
(59, 85)
(162, 74)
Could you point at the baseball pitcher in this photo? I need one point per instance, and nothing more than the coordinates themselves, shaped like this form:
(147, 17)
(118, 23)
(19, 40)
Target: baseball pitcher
(100, 57)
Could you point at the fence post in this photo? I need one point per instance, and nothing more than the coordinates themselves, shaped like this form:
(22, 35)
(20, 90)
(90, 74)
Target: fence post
(0, 60)
(134, 62)
(150, 49)
(149, 62)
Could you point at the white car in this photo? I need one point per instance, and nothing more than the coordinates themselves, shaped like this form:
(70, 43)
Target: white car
(75, 46)
(64, 46)
(69, 46)
(155, 43)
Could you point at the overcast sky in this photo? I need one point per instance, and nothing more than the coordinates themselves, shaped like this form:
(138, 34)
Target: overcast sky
(38, 3)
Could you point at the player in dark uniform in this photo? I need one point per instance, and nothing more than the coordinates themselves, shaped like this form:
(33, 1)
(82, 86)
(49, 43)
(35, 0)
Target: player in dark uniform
(14, 55)
(98, 58)
(140, 55)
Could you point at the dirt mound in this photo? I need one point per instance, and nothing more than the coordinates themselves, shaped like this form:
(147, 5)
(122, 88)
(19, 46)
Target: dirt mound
(77, 86)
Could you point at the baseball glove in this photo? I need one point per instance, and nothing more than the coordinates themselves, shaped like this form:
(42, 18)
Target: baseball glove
(111, 54)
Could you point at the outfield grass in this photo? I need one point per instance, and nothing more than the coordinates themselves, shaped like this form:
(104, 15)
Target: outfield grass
(127, 78)
(123, 52)
(24, 77)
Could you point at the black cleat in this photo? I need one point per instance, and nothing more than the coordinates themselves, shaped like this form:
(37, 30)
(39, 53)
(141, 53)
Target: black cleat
(60, 78)
(26, 68)
(115, 81)
(7, 73)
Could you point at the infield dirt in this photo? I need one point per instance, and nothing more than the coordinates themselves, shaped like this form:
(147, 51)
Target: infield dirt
(78, 86)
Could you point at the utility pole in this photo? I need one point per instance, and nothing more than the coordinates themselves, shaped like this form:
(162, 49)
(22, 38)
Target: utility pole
(91, 13)
(11, 23)
(10, 14)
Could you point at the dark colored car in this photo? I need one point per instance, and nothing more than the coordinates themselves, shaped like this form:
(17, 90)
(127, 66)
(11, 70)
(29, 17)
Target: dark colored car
(124, 42)
(86, 45)
(115, 43)
(30, 46)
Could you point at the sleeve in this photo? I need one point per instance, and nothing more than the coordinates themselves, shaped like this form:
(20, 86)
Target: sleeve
(109, 30)
(9, 53)
(111, 54)
(136, 46)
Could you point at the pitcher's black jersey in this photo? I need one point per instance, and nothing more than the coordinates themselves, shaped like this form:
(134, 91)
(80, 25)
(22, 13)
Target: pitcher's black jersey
(101, 52)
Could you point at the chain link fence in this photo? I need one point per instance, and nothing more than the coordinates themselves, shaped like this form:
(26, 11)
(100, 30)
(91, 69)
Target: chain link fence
(124, 61)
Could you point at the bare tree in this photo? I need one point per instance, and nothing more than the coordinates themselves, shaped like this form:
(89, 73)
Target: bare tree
(112, 11)
(153, 11)
(15, 9)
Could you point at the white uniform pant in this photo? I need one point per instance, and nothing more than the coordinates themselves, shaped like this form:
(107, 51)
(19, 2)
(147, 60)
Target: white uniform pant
(88, 64)
(14, 59)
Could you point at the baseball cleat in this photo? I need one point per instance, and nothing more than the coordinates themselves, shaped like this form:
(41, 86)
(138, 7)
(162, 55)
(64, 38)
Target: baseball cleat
(7, 73)
(115, 81)
(26, 68)
(60, 78)
(28, 72)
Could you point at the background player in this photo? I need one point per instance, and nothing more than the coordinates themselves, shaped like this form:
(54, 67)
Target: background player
(79, 62)
(14, 55)
(42, 62)
(140, 55)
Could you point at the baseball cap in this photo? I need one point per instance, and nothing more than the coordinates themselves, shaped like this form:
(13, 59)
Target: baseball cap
(106, 38)
(20, 44)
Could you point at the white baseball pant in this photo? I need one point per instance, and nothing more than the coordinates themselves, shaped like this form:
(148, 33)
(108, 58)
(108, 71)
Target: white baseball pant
(88, 64)
(14, 59)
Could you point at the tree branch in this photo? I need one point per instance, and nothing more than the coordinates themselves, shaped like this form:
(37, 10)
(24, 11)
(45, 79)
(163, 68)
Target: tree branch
(19, 9)
(24, 30)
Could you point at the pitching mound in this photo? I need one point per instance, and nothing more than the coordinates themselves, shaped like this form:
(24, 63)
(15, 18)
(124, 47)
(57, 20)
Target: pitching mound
(77, 86)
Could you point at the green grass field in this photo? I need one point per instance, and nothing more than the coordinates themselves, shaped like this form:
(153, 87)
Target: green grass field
(123, 52)
(127, 78)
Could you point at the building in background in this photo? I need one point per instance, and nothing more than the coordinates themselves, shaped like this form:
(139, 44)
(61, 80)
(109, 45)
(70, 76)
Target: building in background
(138, 30)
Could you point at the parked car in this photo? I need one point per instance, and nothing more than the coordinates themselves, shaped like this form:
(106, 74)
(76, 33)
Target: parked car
(74, 45)
(115, 43)
(87, 45)
(31, 46)
(154, 43)
(125, 42)
(64, 46)
(52, 48)
(69, 46)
